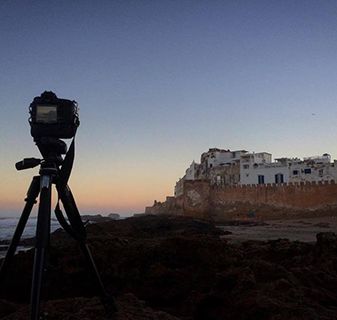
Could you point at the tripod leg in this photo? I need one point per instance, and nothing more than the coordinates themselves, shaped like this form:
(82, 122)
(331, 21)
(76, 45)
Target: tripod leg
(42, 241)
(78, 229)
(32, 194)
(107, 300)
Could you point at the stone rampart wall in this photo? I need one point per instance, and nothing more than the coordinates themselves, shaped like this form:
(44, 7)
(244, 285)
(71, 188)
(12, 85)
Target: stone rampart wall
(309, 195)
(200, 199)
(172, 205)
(196, 198)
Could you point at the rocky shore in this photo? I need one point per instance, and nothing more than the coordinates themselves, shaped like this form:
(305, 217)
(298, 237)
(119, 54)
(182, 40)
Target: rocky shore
(165, 267)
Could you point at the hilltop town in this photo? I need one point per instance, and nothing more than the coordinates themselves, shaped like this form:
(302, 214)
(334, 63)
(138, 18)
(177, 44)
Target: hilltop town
(234, 183)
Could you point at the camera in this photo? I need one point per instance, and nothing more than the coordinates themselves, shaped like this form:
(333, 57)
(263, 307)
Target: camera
(51, 117)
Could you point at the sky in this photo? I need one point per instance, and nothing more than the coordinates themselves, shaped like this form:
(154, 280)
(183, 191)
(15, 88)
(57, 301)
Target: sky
(160, 82)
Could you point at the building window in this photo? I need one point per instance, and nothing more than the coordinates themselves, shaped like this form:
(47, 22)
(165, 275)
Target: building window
(279, 178)
(307, 171)
(295, 172)
(246, 166)
(260, 179)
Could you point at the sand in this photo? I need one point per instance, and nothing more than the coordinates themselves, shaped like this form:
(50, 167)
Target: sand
(295, 230)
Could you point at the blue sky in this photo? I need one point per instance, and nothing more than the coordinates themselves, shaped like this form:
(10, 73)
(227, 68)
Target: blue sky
(160, 82)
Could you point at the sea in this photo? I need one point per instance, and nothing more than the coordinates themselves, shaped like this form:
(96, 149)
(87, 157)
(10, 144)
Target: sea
(8, 225)
(7, 228)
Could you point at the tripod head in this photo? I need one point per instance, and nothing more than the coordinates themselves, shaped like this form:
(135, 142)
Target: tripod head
(51, 150)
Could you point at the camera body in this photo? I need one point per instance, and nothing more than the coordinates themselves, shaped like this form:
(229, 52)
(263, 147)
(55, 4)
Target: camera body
(53, 117)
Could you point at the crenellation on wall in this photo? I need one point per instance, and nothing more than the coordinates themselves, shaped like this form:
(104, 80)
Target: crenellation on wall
(273, 185)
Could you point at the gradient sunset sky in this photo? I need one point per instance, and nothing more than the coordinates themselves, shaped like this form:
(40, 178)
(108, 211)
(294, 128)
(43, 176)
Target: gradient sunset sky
(160, 82)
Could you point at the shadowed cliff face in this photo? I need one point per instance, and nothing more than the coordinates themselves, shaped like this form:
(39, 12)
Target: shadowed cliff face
(182, 267)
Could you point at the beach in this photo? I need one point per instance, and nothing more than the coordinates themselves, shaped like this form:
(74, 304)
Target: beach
(301, 229)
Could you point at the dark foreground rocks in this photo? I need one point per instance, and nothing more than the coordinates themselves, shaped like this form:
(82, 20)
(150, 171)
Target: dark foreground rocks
(180, 268)
(80, 308)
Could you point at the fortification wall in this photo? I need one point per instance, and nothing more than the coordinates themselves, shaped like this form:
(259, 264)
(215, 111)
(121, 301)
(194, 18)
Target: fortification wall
(171, 205)
(274, 200)
(300, 196)
(265, 201)
(196, 198)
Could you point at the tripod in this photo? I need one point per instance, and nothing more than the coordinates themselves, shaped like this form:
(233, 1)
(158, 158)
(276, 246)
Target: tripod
(50, 173)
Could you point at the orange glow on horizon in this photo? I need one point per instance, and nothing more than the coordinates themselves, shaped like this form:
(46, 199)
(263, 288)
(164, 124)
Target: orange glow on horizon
(95, 195)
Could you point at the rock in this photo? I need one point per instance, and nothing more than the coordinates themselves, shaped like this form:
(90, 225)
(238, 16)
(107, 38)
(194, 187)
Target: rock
(322, 225)
(114, 216)
(7, 308)
(129, 308)
(162, 267)
(94, 218)
(328, 239)
(226, 232)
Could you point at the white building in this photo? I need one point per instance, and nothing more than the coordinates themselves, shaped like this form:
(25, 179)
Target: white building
(192, 172)
(216, 157)
(215, 165)
(284, 170)
(179, 187)
(258, 168)
(225, 167)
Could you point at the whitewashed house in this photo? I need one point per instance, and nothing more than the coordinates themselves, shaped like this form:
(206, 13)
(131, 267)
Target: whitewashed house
(224, 167)
(284, 170)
